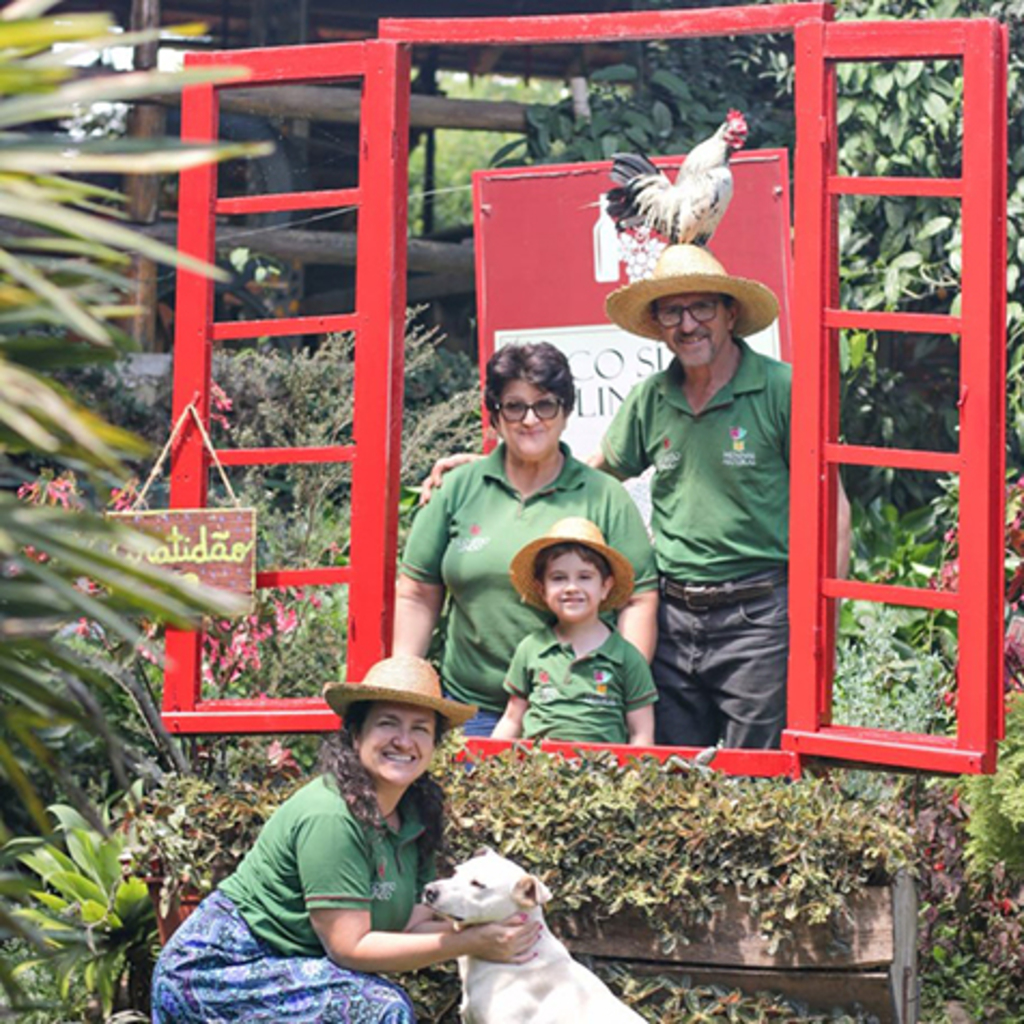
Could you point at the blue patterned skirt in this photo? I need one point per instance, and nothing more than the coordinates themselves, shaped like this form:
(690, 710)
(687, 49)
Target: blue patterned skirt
(214, 970)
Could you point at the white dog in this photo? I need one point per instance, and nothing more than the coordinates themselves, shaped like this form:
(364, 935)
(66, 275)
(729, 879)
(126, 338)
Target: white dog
(552, 988)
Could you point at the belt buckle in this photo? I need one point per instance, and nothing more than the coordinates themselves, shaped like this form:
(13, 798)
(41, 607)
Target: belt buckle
(699, 598)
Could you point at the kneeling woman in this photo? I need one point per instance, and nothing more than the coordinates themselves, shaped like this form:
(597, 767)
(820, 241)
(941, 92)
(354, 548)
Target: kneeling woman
(327, 896)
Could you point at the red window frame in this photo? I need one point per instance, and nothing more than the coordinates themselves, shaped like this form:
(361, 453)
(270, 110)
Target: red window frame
(982, 48)
(378, 322)
(383, 66)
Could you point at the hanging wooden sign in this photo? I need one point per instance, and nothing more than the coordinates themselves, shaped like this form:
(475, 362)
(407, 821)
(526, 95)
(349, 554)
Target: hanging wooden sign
(212, 546)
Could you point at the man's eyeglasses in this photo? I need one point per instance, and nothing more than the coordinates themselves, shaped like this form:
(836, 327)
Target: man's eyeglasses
(545, 409)
(702, 311)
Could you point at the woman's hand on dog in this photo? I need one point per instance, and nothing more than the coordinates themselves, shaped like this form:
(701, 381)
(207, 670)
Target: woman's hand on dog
(509, 942)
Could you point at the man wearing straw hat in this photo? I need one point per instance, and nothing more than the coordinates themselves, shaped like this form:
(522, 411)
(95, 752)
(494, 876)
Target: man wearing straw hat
(715, 426)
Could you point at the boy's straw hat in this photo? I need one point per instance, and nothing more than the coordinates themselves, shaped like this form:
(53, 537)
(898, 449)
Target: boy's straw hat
(572, 530)
(402, 679)
(690, 268)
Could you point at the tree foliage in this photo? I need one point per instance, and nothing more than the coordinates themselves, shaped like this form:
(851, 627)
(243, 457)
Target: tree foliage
(63, 263)
(895, 118)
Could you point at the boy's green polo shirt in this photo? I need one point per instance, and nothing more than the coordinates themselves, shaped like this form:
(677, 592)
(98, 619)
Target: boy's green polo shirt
(312, 854)
(720, 492)
(583, 699)
(464, 539)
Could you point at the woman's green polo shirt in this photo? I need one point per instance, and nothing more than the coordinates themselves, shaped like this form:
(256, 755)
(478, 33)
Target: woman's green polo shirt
(720, 492)
(585, 698)
(464, 539)
(312, 854)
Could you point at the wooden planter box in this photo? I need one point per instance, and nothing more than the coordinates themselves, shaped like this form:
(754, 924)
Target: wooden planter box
(181, 907)
(869, 960)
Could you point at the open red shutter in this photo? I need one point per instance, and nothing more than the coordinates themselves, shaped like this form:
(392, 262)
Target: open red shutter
(382, 68)
(981, 46)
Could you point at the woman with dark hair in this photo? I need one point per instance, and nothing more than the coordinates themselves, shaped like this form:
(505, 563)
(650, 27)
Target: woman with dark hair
(462, 542)
(327, 897)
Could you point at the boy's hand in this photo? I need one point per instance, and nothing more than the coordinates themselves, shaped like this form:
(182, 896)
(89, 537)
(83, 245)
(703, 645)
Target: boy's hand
(436, 476)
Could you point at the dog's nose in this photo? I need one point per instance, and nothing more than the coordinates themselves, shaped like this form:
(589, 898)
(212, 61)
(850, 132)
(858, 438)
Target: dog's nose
(430, 895)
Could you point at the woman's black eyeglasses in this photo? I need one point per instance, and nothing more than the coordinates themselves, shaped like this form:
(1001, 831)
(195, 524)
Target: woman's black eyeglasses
(702, 311)
(515, 411)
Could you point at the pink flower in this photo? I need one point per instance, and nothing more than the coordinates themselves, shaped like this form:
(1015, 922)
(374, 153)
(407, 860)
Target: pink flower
(220, 405)
(123, 499)
(60, 492)
(285, 619)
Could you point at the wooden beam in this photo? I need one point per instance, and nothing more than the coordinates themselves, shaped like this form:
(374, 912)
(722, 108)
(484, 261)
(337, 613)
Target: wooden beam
(341, 106)
(328, 247)
(732, 939)
(420, 288)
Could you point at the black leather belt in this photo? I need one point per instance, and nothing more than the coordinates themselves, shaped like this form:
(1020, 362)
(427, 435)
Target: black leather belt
(702, 597)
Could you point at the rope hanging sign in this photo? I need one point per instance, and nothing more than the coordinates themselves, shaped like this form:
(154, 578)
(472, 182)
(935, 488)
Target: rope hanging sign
(215, 547)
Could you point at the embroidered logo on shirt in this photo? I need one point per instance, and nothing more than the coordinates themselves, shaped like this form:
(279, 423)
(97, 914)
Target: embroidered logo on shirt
(738, 455)
(544, 692)
(382, 891)
(474, 542)
(666, 459)
(601, 679)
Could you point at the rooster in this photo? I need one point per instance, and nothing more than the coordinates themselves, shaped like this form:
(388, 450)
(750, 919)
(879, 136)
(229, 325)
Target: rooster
(688, 209)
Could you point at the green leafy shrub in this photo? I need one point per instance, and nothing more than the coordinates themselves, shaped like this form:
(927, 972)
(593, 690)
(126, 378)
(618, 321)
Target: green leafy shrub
(191, 832)
(664, 840)
(95, 923)
(996, 824)
(883, 682)
(971, 923)
(667, 841)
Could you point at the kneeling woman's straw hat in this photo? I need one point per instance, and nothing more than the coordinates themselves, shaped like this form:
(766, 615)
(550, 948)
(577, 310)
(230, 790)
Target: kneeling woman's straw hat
(403, 679)
(572, 530)
(690, 268)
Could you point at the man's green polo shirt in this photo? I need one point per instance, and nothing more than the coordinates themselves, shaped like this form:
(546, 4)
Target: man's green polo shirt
(583, 699)
(720, 492)
(312, 854)
(465, 537)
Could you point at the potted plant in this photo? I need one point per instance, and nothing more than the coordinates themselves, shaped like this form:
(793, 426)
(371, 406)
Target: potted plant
(188, 834)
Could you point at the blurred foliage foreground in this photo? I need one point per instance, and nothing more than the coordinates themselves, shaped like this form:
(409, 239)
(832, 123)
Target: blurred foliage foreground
(64, 263)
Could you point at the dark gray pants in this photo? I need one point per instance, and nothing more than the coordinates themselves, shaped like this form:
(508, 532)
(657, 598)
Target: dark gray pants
(721, 673)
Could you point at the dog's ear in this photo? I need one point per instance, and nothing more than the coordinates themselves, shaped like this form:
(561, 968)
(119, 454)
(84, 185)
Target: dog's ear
(530, 891)
(483, 851)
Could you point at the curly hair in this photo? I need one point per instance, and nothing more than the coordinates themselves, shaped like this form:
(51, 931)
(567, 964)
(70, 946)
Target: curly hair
(538, 363)
(340, 762)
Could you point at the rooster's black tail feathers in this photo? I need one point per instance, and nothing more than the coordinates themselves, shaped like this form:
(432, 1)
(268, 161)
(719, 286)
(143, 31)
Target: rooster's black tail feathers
(627, 166)
(632, 172)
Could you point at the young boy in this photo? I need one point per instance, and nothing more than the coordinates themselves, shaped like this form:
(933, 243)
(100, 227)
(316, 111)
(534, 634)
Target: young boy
(578, 679)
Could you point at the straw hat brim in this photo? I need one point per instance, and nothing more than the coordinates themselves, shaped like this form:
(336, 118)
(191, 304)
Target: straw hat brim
(630, 306)
(532, 590)
(341, 695)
